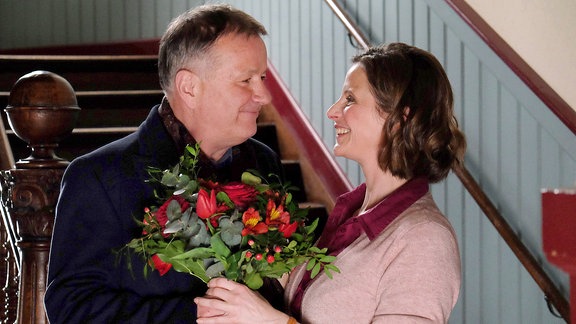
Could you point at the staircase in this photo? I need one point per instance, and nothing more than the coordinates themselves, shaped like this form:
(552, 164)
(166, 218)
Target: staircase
(115, 94)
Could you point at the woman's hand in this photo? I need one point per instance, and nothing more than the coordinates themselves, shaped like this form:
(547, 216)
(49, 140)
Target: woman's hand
(229, 302)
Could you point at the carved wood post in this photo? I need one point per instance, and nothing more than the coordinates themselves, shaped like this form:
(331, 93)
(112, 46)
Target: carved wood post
(559, 235)
(42, 110)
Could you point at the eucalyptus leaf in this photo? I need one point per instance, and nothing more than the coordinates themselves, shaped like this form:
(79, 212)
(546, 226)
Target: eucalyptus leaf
(191, 230)
(183, 181)
(173, 227)
(173, 211)
(169, 179)
(215, 269)
(202, 238)
(231, 231)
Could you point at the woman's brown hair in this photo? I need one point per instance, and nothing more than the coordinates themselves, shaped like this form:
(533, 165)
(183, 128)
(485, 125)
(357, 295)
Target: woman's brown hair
(420, 137)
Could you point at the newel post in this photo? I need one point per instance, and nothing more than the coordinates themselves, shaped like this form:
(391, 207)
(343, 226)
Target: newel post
(42, 110)
(559, 235)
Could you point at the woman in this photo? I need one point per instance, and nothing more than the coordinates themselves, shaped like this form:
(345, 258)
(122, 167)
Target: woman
(397, 254)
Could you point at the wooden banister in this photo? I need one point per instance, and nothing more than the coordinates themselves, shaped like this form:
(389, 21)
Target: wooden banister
(550, 290)
(42, 110)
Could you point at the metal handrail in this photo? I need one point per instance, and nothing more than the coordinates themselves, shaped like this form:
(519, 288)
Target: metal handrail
(551, 292)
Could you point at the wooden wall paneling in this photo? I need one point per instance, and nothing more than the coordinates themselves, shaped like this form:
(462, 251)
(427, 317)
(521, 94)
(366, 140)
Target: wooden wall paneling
(391, 18)
(59, 22)
(117, 18)
(102, 13)
(73, 19)
(148, 18)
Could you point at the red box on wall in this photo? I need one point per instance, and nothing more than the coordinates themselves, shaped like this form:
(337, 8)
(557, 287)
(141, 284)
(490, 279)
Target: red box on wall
(559, 227)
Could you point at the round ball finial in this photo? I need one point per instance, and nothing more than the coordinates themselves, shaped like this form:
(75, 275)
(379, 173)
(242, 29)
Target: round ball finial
(42, 110)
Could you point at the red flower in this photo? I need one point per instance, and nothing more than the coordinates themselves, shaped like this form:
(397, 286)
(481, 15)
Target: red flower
(252, 223)
(288, 229)
(161, 216)
(160, 265)
(240, 193)
(275, 215)
(206, 204)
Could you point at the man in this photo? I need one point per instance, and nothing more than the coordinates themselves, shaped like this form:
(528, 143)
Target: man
(212, 62)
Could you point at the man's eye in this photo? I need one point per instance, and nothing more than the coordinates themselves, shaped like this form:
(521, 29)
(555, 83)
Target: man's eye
(263, 77)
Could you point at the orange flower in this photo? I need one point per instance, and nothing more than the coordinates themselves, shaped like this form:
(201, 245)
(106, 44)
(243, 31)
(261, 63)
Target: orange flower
(275, 215)
(252, 223)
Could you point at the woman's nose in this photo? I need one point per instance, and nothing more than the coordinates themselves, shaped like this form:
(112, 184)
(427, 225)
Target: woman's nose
(333, 112)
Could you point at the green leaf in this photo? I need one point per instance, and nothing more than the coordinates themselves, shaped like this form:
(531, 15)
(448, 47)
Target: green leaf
(315, 249)
(254, 281)
(250, 179)
(215, 269)
(169, 179)
(195, 268)
(331, 267)
(311, 264)
(196, 253)
(312, 227)
(219, 246)
(328, 258)
(315, 270)
(221, 196)
(173, 211)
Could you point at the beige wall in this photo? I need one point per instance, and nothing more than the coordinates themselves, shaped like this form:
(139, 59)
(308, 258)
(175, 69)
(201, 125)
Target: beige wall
(543, 32)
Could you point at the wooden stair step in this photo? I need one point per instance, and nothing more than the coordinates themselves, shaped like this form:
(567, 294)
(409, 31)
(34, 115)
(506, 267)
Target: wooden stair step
(85, 72)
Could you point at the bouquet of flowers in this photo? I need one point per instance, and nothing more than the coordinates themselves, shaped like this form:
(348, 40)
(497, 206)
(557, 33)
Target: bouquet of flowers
(244, 231)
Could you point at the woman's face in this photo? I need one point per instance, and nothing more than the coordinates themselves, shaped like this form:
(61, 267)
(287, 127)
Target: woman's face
(357, 121)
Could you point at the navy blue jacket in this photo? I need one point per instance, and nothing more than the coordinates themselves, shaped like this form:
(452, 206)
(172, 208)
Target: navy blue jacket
(101, 194)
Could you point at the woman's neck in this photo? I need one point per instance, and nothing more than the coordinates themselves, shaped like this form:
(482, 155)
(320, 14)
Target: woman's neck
(379, 185)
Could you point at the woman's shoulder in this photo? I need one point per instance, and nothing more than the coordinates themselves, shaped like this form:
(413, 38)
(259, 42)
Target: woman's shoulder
(422, 221)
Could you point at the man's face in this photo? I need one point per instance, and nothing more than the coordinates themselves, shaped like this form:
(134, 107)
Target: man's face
(231, 93)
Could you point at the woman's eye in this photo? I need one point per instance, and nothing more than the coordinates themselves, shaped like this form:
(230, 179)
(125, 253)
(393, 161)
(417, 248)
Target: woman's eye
(349, 100)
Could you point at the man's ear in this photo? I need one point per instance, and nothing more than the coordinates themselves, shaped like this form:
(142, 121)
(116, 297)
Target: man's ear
(187, 86)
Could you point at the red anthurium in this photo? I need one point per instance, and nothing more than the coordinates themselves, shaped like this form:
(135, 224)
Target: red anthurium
(160, 265)
(206, 204)
(252, 223)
